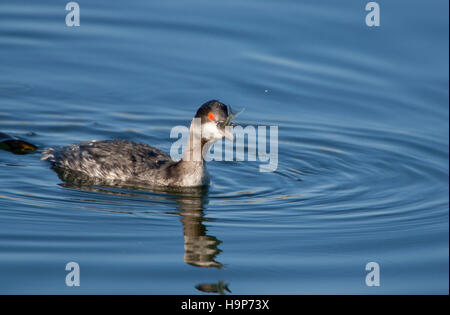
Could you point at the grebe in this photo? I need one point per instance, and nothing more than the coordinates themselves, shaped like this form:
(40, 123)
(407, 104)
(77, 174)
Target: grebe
(128, 161)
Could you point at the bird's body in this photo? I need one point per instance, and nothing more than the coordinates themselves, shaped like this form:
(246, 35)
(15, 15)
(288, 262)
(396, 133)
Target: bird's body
(133, 162)
(126, 161)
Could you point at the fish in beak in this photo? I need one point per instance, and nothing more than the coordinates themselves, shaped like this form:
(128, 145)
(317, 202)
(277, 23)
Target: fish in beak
(227, 124)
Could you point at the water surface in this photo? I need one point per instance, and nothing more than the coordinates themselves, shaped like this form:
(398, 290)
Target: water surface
(363, 146)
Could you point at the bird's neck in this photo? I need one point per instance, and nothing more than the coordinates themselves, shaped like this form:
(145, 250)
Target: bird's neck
(192, 164)
(195, 147)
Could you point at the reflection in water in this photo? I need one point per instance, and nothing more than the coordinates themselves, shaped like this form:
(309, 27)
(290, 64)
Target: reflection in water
(201, 249)
(219, 287)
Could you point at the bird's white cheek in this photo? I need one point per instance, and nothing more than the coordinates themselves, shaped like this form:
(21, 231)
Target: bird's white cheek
(211, 132)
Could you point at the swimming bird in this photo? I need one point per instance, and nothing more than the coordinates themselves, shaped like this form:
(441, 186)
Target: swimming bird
(133, 162)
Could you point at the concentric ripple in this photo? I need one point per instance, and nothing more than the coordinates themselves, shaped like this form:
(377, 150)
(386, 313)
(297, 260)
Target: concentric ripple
(345, 178)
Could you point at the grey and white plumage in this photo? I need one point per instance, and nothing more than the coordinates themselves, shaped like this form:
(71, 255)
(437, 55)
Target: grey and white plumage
(113, 161)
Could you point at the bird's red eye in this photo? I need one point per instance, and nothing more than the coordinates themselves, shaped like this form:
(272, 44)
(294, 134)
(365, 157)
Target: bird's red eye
(211, 116)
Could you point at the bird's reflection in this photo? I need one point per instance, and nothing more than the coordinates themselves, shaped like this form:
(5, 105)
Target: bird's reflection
(220, 287)
(201, 248)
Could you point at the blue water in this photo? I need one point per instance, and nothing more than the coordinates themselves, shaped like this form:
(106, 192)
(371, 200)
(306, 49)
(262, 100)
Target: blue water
(363, 171)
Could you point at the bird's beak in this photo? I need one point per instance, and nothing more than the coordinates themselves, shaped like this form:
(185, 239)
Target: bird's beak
(229, 125)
